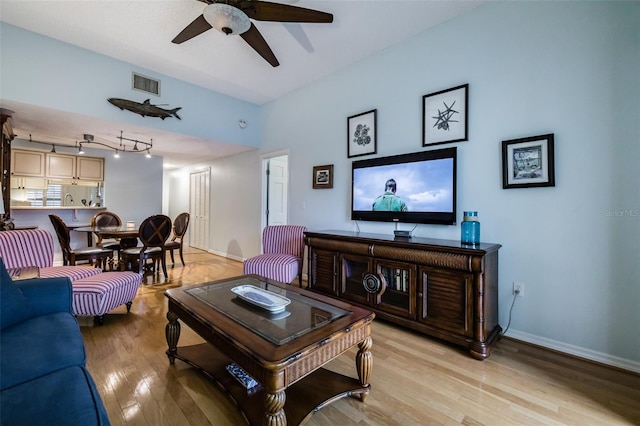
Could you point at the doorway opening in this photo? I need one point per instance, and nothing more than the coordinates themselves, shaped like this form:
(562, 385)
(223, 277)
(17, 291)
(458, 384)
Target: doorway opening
(199, 189)
(275, 189)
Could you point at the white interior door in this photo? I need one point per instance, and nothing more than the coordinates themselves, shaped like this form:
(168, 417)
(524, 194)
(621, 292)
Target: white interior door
(277, 190)
(199, 209)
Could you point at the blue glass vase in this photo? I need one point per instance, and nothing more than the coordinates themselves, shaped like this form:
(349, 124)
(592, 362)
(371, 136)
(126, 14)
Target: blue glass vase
(470, 233)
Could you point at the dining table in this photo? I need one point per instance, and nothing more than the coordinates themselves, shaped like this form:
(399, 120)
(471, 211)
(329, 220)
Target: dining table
(128, 236)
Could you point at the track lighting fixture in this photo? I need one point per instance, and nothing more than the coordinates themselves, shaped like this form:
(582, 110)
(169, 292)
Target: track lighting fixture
(89, 140)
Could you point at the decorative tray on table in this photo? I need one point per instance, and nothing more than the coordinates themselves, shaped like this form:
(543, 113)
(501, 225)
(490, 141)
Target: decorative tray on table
(265, 299)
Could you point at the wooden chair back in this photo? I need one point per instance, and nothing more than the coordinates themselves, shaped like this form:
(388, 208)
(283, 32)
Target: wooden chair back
(155, 230)
(180, 225)
(62, 232)
(105, 218)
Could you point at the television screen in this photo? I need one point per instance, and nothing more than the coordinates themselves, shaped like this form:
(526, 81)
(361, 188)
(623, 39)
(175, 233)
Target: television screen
(411, 188)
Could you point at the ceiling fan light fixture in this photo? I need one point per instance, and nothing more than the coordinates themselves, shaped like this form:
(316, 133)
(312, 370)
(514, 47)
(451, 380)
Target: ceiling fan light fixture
(226, 18)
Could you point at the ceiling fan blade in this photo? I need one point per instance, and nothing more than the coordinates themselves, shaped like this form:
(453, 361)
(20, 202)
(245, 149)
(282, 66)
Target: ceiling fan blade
(197, 27)
(278, 12)
(255, 40)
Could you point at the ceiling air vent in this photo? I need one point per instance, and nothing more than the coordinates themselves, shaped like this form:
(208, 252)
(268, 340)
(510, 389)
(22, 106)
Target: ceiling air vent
(146, 84)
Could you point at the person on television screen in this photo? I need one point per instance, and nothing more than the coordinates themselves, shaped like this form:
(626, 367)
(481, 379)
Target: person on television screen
(389, 201)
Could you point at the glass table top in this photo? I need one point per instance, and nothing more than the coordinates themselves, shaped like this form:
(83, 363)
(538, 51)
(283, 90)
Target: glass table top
(297, 318)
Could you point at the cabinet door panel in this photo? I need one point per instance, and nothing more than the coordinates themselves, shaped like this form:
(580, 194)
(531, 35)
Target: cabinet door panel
(61, 166)
(27, 163)
(353, 269)
(28, 183)
(90, 168)
(399, 296)
(447, 300)
(323, 271)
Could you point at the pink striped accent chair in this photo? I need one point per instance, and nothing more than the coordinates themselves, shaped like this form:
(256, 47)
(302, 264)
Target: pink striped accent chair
(94, 293)
(34, 247)
(283, 250)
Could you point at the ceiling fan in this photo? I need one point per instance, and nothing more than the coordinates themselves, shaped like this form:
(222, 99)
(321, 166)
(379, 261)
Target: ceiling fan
(233, 17)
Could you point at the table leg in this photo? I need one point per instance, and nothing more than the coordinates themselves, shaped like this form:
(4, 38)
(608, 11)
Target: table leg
(364, 363)
(274, 409)
(172, 332)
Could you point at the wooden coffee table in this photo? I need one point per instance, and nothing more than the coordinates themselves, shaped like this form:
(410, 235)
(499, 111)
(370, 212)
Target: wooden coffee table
(282, 351)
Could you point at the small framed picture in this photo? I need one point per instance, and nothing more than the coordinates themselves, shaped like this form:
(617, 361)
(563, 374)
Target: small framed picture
(361, 134)
(445, 116)
(528, 162)
(323, 177)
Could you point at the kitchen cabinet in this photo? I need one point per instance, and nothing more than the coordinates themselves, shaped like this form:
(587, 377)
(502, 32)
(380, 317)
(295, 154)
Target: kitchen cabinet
(75, 167)
(20, 182)
(27, 163)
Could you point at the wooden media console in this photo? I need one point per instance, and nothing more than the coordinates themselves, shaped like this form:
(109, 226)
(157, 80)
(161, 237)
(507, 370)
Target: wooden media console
(437, 287)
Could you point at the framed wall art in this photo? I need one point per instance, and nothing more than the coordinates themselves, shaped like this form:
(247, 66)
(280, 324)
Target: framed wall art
(528, 162)
(361, 134)
(445, 116)
(323, 177)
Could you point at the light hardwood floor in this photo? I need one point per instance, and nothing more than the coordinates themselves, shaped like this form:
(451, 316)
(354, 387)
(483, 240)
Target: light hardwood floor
(416, 380)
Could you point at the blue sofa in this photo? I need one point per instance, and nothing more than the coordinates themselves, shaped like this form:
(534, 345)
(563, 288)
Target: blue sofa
(43, 378)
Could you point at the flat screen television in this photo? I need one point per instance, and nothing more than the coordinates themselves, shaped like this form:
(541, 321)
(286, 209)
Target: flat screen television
(411, 188)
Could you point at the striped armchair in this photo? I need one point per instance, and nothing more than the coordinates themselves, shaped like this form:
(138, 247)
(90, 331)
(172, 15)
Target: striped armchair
(34, 247)
(283, 250)
(95, 293)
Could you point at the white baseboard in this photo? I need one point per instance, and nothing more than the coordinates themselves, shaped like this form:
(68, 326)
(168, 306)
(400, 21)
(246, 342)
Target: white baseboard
(603, 358)
(227, 255)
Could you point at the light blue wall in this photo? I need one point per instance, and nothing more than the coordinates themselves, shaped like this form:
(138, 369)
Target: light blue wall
(568, 68)
(45, 72)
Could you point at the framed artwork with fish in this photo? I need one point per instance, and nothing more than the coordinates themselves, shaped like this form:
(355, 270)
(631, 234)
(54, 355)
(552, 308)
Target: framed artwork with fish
(445, 116)
(145, 109)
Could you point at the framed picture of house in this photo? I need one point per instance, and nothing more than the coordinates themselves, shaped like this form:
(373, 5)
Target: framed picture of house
(528, 162)
(361, 134)
(323, 177)
(445, 116)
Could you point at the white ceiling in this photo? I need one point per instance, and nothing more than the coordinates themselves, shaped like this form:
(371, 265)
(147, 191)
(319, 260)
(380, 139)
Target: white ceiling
(140, 32)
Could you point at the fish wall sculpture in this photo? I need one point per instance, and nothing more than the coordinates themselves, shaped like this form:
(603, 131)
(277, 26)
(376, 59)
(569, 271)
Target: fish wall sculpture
(145, 109)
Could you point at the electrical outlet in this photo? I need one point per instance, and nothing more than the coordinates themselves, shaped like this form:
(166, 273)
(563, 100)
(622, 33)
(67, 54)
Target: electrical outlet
(518, 289)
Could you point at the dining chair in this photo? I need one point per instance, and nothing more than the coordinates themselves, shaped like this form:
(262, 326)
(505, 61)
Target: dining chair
(283, 250)
(101, 256)
(180, 225)
(106, 218)
(153, 234)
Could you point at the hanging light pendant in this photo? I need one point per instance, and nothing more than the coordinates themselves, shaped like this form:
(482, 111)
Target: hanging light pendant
(226, 18)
